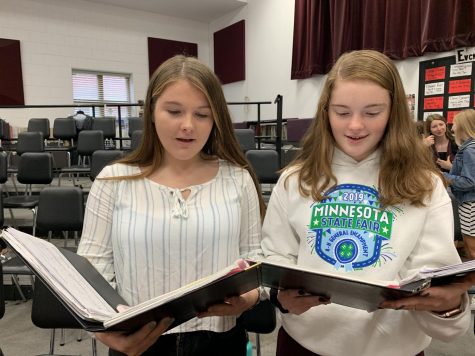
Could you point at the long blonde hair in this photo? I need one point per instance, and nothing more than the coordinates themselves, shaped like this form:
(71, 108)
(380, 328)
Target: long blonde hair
(221, 143)
(406, 166)
(465, 121)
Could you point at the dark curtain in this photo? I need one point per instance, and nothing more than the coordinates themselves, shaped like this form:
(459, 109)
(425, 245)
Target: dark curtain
(324, 29)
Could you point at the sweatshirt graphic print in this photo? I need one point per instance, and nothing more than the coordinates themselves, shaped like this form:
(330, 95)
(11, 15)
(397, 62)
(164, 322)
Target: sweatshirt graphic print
(349, 229)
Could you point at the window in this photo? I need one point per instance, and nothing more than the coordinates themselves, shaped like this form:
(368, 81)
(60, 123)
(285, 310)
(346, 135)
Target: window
(100, 88)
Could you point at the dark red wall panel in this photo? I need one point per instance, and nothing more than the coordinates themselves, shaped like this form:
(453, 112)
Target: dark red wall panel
(230, 54)
(11, 78)
(159, 50)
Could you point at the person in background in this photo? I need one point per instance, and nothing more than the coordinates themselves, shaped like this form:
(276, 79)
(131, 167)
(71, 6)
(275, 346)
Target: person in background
(182, 206)
(441, 141)
(83, 121)
(462, 176)
(363, 199)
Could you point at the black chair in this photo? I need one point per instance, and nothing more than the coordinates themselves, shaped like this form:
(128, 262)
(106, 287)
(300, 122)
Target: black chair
(61, 209)
(89, 141)
(64, 129)
(136, 139)
(135, 123)
(48, 313)
(259, 320)
(30, 142)
(3, 167)
(265, 164)
(107, 125)
(39, 125)
(246, 140)
(102, 158)
(34, 168)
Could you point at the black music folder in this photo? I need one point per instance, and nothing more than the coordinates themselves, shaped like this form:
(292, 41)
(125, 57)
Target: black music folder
(70, 277)
(92, 301)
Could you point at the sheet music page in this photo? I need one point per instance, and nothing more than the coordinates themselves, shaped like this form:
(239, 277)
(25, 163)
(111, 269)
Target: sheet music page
(164, 298)
(59, 274)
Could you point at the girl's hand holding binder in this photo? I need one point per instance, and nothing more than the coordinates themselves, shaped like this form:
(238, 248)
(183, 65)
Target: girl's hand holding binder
(439, 300)
(138, 342)
(297, 301)
(233, 305)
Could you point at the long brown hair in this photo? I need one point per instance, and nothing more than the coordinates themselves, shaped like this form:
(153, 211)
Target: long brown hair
(406, 167)
(221, 143)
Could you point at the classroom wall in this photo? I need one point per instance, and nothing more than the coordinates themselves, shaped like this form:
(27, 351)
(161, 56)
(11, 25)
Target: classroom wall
(269, 38)
(59, 35)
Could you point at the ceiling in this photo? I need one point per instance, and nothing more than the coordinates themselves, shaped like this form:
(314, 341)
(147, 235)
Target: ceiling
(198, 10)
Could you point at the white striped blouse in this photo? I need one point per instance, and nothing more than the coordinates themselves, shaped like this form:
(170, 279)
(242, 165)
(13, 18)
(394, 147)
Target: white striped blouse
(146, 240)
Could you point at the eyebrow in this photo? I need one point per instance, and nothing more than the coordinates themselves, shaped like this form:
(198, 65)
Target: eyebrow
(366, 107)
(180, 104)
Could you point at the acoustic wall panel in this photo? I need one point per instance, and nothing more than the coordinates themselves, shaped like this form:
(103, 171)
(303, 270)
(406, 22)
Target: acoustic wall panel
(11, 78)
(159, 50)
(230, 54)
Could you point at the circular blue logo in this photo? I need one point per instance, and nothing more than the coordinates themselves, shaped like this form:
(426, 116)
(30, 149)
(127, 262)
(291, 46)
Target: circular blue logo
(346, 250)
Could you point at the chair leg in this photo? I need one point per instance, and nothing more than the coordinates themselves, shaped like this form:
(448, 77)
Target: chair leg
(35, 210)
(51, 342)
(94, 347)
(66, 235)
(61, 341)
(79, 338)
(50, 235)
(18, 287)
(258, 345)
(76, 238)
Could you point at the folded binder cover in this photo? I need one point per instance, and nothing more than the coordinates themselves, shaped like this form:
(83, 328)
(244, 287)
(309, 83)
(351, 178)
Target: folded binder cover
(182, 304)
(350, 292)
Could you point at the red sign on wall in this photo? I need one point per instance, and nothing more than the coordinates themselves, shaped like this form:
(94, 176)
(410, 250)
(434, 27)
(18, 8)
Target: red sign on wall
(436, 73)
(435, 102)
(450, 116)
(459, 86)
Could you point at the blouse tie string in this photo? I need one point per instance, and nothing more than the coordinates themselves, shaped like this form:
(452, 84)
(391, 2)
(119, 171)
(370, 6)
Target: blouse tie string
(180, 209)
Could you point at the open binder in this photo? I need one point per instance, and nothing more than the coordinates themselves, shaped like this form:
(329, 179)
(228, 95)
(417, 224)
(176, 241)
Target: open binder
(92, 301)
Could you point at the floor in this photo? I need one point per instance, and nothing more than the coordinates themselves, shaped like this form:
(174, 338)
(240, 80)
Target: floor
(19, 337)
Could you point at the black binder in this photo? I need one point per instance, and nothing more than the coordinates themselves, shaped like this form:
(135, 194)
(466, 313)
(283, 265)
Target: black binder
(181, 309)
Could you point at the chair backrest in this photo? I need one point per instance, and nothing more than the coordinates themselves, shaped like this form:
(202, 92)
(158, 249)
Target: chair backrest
(64, 128)
(136, 139)
(47, 312)
(135, 123)
(30, 142)
(102, 158)
(90, 141)
(2, 216)
(39, 125)
(245, 138)
(35, 168)
(265, 164)
(3, 167)
(106, 125)
(60, 209)
(296, 129)
(2, 294)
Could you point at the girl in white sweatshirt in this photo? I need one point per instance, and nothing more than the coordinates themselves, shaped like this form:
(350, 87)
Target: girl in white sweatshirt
(364, 199)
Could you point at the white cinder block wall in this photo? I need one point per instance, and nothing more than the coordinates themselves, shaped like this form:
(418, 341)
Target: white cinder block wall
(59, 35)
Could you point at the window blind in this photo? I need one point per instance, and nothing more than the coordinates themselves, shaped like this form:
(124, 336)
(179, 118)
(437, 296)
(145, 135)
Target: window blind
(100, 88)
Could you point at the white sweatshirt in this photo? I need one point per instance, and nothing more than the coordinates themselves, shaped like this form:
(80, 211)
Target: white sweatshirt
(348, 234)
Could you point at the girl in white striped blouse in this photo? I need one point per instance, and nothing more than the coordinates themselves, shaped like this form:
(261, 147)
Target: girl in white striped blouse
(182, 206)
